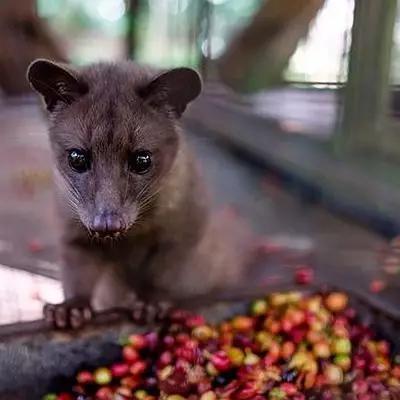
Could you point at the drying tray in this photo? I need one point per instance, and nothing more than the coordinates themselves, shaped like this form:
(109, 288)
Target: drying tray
(35, 359)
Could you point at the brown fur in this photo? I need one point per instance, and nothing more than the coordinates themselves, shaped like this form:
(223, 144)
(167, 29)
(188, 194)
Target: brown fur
(111, 110)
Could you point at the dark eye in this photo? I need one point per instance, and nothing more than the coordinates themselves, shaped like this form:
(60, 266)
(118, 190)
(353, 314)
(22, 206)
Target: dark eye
(78, 160)
(140, 161)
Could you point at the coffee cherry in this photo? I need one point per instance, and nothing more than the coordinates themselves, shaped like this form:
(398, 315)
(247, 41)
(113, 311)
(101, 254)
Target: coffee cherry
(251, 359)
(130, 354)
(236, 356)
(288, 346)
(102, 376)
(336, 301)
(341, 346)
(304, 275)
(221, 361)
(104, 393)
(287, 350)
(264, 340)
(377, 286)
(242, 323)
(140, 394)
(321, 350)
(333, 374)
(203, 332)
(277, 394)
(138, 368)
(210, 395)
(50, 396)
(119, 370)
(84, 377)
(343, 361)
(259, 307)
(289, 388)
(138, 342)
(124, 392)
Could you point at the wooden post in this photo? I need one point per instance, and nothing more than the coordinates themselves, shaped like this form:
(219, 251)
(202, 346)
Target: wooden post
(205, 18)
(366, 96)
(132, 13)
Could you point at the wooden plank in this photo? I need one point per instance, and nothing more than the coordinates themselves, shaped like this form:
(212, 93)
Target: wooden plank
(367, 92)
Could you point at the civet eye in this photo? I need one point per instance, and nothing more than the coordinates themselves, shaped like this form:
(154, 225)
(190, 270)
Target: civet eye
(78, 160)
(140, 161)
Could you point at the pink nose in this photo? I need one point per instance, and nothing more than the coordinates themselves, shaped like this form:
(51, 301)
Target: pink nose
(108, 223)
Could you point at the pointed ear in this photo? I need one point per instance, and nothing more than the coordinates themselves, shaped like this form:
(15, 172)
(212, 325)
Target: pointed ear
(55, 83)
(173, 90)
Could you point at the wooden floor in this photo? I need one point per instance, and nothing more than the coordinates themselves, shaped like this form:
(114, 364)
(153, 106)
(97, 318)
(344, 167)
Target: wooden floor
(341, 252)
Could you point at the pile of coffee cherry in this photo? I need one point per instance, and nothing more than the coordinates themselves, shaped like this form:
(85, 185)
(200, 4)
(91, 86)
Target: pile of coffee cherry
(288, 346)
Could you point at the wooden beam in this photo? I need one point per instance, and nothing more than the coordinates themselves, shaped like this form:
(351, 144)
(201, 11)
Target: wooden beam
(259, 54)
(366, 96)
(131, 34)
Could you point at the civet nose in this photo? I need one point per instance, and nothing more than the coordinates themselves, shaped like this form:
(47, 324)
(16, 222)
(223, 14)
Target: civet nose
(107, 223)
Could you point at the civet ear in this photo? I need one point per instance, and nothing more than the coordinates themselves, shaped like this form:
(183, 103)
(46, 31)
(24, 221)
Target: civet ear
(56, 83)
(173, 90)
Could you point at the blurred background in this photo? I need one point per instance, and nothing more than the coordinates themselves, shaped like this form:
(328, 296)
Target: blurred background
(297, 129)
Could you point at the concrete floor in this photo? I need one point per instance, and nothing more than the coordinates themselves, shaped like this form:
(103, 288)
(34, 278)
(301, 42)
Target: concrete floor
(338, 249)
(308, 112)
(341, 252)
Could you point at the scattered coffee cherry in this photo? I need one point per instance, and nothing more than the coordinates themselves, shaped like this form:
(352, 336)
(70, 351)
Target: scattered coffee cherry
(392, 268)
(304, 275)
(35, 246)
(377, 286)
